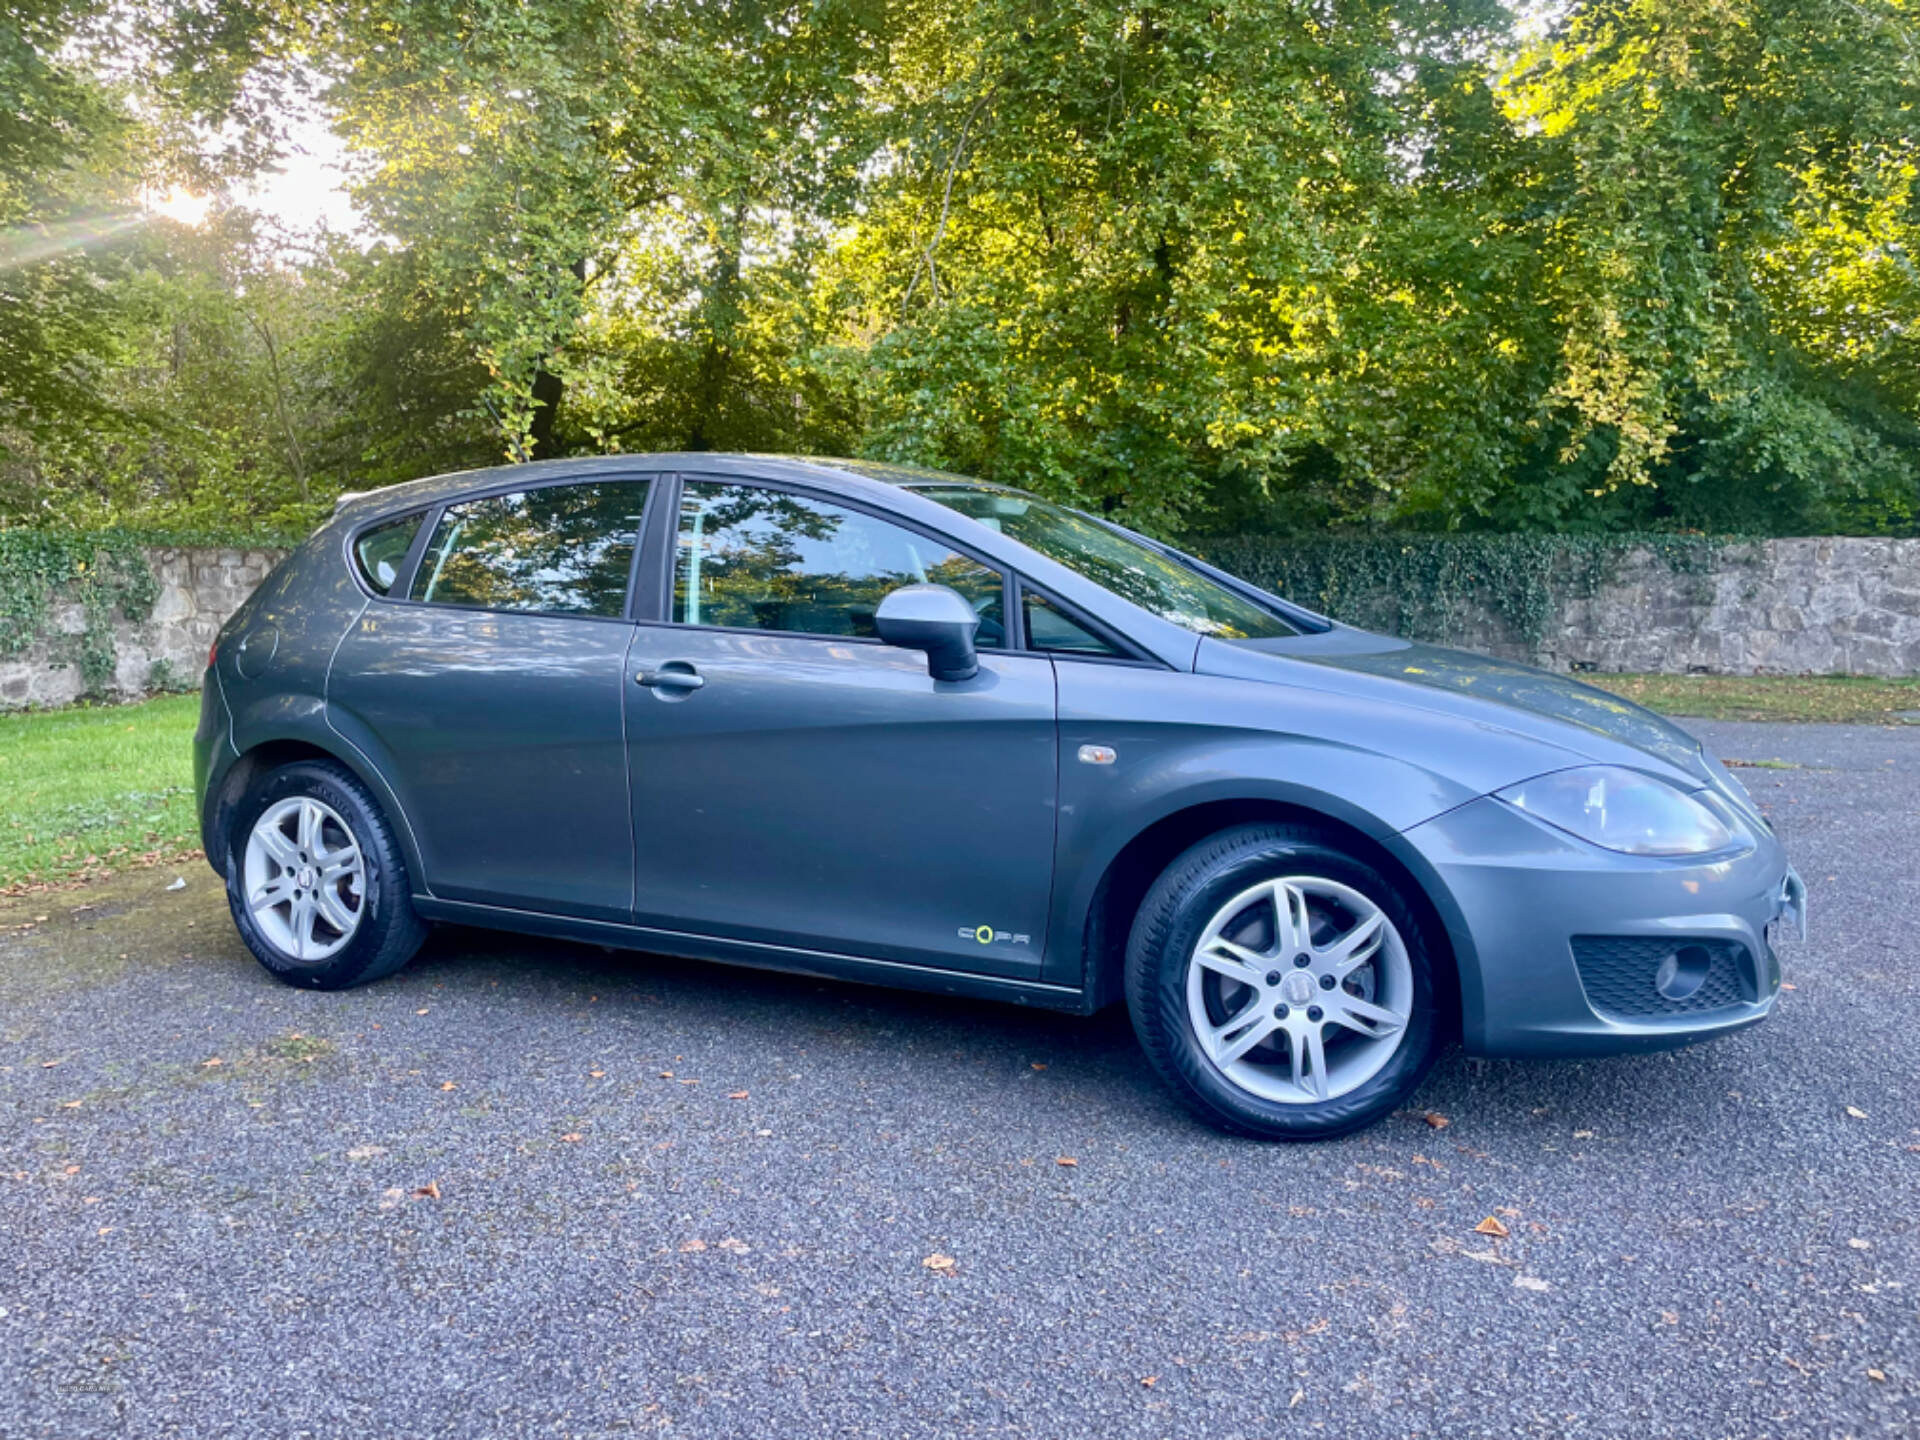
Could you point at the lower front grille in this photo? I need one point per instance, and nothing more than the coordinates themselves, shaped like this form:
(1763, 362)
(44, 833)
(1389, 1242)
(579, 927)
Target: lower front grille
(1632, 977)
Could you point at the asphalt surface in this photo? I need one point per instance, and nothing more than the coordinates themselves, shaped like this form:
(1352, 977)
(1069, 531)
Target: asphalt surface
(472, 1200)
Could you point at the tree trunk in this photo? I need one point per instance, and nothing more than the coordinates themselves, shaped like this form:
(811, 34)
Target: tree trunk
(548, 390)
(716, 356)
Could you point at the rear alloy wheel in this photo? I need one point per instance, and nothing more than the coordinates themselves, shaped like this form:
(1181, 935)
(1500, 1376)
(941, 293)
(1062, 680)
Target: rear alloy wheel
(306, 880)
(316, 883)
(1281, 985)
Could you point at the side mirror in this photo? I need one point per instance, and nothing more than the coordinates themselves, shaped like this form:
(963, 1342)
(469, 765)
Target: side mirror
(935, 619)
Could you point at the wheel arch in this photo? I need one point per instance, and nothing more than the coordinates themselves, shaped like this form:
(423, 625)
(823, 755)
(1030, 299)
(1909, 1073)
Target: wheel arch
(1141, 860)
(266, 755)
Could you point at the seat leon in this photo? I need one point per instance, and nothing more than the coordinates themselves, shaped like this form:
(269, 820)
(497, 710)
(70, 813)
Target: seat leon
(896, 726)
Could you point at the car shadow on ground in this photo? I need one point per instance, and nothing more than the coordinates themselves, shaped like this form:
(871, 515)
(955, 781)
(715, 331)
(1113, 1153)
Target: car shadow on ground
(887, 1029)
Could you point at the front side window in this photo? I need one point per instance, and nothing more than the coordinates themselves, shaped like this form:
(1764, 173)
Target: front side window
(564, 549)
(1050, 628)
(749, 558)
(380, 551)
(1151, 580)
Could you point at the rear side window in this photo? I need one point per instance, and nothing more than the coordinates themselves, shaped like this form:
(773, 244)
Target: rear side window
(380, 551)
(561, 549)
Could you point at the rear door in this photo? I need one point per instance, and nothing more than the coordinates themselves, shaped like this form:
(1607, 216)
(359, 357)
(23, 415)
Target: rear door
(796, 782)
(491, 692)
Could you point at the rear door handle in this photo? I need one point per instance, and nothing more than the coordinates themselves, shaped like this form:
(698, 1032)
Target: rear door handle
(674, 675)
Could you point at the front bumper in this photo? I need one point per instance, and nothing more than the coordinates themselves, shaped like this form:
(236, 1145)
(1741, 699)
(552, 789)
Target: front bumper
(1567, 949)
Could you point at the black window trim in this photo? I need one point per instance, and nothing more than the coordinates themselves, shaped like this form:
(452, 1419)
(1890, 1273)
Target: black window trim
(400, 593)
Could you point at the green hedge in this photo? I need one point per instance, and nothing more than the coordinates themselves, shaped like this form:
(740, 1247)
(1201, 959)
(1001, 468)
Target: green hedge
(105, 570)
(1424, 587)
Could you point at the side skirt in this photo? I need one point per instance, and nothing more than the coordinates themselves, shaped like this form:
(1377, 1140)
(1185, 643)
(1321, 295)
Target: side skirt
(755, 955)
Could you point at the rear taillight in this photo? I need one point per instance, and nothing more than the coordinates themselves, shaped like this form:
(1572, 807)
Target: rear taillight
(213, 654)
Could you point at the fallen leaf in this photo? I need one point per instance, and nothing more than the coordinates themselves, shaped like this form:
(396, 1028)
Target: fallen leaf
(666, 1074)
(421, 1011)
(71, 1170)
(366, 1152)
(428, 1191)
(1149, 1381)
(1671, 1317)
(735, 1247)
(1298, 1396)
(1528, 1282)
(210, 1064)
(1856, 1112)
(1583, 1134)
(1437, 1120)
(736, 1095)
(48, 1064)
(693, 1246)
(573, 1137)
(1491, 1226)
(939, 1264)
(71, 1104)
(1066, 1160)
(1858, 1244)
(1879, 1375)
(1039, 1067)
(448, 1085)
(597, 1074)
(1787, 985)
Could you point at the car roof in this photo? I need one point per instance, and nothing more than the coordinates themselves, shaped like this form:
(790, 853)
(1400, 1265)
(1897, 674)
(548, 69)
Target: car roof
(829, 473)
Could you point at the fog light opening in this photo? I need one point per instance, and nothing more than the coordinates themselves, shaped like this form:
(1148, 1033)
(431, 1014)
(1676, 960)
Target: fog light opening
(1683, 972)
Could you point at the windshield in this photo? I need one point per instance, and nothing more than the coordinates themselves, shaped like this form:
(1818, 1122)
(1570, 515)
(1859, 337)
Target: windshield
(1151, 580)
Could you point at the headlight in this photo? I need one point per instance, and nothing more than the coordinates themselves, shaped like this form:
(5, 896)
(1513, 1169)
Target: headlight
(1621, 810)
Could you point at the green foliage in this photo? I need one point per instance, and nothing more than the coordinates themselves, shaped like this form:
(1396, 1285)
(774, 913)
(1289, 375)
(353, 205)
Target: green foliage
(1424, 587)
(1438, 265)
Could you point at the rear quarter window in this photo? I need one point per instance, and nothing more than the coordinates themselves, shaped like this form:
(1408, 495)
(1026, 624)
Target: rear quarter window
(379, 552)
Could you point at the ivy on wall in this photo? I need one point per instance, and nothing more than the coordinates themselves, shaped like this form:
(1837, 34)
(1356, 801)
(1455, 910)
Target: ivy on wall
(106, 571)
(1427, 587)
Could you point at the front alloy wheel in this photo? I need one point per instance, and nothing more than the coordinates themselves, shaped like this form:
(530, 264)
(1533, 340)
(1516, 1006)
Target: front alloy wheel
(1281, 985)
(1299, 989)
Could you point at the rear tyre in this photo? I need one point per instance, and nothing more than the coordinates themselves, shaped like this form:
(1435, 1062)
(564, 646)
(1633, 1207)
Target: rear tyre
(1281, 986)
(316, 882)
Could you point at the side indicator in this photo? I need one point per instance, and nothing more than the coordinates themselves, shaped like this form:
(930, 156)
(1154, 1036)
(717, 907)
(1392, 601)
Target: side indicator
(1098, 755)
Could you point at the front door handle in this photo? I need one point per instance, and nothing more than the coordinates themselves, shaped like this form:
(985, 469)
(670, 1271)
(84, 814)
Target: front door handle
(674, 675)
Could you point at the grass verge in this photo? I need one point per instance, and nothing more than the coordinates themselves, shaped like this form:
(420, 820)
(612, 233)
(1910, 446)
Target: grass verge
(88, 790)
(1835, 699)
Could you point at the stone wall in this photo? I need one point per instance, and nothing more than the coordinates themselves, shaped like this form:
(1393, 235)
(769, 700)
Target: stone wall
(199, 589)
(1774, 607)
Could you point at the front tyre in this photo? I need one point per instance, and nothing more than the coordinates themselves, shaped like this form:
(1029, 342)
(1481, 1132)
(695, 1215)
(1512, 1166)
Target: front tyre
(1281, 986)
(316, 883)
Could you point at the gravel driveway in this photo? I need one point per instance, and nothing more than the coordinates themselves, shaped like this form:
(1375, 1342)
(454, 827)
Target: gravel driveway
(532, 1188)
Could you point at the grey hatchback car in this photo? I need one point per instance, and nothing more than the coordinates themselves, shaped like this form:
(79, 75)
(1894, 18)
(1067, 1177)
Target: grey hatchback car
(903, 727)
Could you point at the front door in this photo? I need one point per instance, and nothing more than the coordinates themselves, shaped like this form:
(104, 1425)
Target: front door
(796, 782)
(494, 690)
